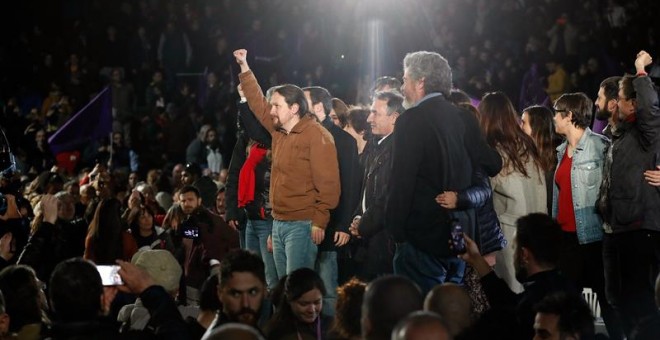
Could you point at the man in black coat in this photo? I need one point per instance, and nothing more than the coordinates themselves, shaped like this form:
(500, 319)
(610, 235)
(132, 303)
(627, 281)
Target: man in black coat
(434, 149)
(376, 249)
(319, 102)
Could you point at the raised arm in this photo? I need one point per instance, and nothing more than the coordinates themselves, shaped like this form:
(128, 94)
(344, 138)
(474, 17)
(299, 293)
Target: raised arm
(253, 93)
(648, 113)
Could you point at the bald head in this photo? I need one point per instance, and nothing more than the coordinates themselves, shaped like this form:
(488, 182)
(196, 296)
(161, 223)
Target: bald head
(387, 300)
(452, 303)
(233, 331)
(422, 326)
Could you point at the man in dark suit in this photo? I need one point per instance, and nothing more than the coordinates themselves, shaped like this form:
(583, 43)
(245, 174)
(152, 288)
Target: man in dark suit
(376, 249)
(319, 102)
(434, 149)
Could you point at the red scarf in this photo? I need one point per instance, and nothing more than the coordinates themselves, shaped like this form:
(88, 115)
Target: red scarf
(246, 178)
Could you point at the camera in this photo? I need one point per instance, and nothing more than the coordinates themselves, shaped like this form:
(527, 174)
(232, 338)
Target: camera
(457, 239)
(110, 275)
(189, 228)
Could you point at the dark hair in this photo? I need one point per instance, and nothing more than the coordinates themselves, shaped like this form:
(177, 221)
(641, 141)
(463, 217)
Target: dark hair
(541, 235)
(579, 105)
(357, 119)
(240, 260)
(19, 284)
(297, 283)
(349, 309)
(626, 84)
(611, 87)
(394, 101)
(543, 135)
(500, 124)
(75, 290)
(189, 188)
(105, 231)
(134, 221)
(193, 168)
(383, 81)
(387, 300)
(574, 314)
(419, 318)
(293, 95)
(341, 109)
(301, 281)
(458, 97)
(320, 95)
(208, 295)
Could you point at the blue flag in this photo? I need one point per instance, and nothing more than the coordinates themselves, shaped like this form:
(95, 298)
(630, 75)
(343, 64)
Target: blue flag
(90, 123)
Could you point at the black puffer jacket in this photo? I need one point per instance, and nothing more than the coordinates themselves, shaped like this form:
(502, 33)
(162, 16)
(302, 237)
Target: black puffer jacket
(627, 202)
(480, 197)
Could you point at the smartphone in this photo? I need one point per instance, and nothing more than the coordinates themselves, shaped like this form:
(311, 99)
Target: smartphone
(657, 160)
(189, 229)
(110, 275)
(457, 239)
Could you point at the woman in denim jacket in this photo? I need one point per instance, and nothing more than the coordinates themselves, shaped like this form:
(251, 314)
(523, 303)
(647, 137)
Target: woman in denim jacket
(575, 191)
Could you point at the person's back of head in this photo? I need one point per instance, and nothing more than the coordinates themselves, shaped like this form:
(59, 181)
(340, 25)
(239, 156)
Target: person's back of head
(387, 300)
(233, 331)
(452, 303)
(566, 316)
(349, 309)
(75, 291)
(541, 235)
(422, 326)
(161, 266)
(18, 283)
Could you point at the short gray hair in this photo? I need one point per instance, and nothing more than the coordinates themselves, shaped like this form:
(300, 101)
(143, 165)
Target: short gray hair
(431, 66)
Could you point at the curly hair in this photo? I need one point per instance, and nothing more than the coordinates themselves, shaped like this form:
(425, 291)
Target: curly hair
(349, 309)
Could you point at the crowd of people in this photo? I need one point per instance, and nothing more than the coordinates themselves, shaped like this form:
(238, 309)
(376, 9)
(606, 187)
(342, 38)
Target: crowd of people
(468, 201)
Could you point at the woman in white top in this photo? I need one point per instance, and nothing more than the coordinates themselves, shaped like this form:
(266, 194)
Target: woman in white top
(519, 189)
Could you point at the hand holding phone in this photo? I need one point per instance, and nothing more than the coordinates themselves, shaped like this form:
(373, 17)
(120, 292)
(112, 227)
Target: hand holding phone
(110, 275)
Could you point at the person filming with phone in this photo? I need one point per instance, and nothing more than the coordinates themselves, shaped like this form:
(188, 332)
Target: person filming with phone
(81, 294)
(536, 244)
(206, 238)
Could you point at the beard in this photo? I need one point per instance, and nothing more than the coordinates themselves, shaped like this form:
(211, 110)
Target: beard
(277, 124)
(602, 114)
(407, 103)
(521, 271)
(245, 316)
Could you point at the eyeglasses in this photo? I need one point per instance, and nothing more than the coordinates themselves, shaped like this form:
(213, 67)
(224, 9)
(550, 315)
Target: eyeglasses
(559, 110)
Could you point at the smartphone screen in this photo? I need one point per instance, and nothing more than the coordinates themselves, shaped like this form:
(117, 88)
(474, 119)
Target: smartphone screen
(457, 240)
(110, 275)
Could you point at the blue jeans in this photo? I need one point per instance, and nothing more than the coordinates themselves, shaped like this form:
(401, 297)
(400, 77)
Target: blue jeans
(425, 270)
(256, 238)
(326, 266)
(241, 238)
(292, 246)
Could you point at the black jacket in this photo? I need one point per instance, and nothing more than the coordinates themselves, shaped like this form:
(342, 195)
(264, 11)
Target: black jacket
(376, 248)
(434, 147)
(260, 208)
(480, 197)
(349, 176)
(165, 323)
(52, 244)
(537, 287)
(627, 202)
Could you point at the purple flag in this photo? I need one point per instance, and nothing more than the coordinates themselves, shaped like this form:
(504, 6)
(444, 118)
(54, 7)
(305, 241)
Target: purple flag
(90, 123)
